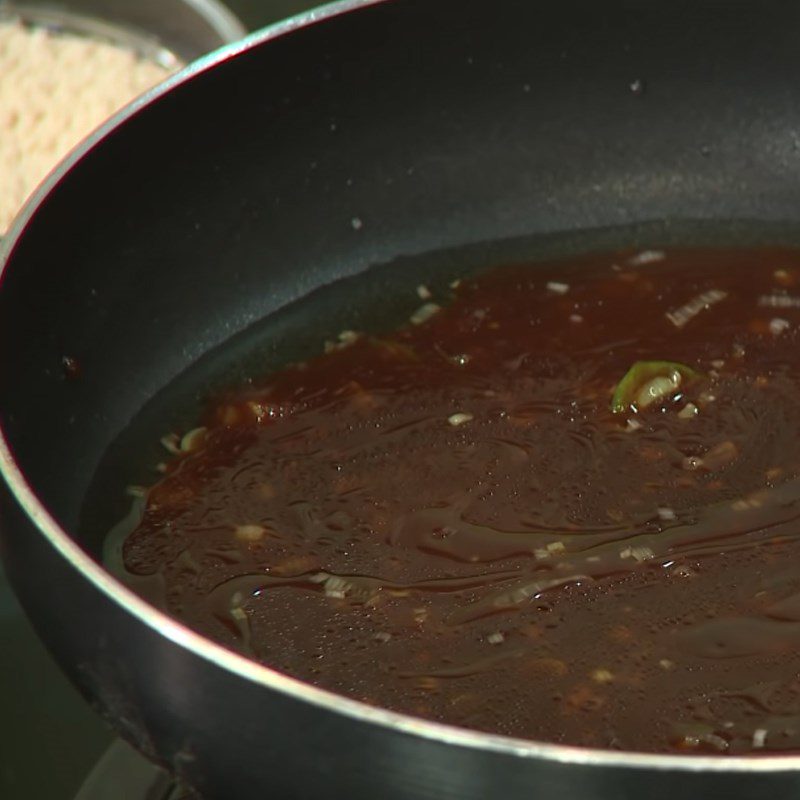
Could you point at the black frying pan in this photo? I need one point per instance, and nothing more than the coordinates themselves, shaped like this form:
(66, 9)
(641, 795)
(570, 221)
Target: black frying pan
(233, 191)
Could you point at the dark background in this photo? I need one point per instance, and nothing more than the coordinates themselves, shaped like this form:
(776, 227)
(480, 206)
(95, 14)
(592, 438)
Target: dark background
(49, 738)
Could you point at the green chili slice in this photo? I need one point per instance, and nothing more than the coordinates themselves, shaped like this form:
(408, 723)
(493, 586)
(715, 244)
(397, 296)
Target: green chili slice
(648, 382)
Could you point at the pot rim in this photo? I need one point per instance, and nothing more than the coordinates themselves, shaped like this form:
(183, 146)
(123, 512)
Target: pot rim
(226, 659)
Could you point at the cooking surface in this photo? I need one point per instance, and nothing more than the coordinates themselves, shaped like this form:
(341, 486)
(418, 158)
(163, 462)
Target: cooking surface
(444, 512)
(50, 737)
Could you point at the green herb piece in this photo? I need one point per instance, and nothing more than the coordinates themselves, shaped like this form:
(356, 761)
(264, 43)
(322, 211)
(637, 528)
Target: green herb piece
(648, 382)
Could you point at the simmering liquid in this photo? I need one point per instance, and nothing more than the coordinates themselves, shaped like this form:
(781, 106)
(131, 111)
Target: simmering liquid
(560, 503)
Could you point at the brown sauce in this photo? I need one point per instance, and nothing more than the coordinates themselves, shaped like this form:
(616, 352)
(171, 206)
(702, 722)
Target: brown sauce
(451, 521)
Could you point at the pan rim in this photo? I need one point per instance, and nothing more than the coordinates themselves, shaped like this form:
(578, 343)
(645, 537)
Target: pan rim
(264, 676)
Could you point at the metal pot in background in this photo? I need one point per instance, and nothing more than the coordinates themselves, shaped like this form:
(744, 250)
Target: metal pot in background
(186, 29)
(231, 193)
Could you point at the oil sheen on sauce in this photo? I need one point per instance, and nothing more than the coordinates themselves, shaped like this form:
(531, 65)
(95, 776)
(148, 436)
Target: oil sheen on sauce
(452, 521)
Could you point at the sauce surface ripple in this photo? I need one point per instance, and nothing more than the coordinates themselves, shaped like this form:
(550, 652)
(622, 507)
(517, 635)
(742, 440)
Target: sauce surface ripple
(452, 522)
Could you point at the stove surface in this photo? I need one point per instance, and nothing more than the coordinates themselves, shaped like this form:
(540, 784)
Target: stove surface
(52, 745)
(50, 737)
(124, 774)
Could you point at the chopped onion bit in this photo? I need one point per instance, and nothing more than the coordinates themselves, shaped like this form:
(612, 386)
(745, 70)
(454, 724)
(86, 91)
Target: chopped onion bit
(259, 410)
(638, 552)
(777, 326)
(250, 533)
(420, 615)
(423, 292)
(779, 301)
(348, 337)
(602, 676)
(747, 503)
(459, 418)
(193, 439)
(171, 443)
(495, 638)
(717, 742)
(646, 257)
(557, 288)
(759, 738)
(783, 277)
(707, 397)
(689, 411)
(336, 587)
(720, 456)
(345, 339)
(424, 313)
(680, 316)
(519, 594)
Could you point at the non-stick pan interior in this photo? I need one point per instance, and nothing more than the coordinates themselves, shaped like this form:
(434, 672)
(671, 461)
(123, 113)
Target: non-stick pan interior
(404, 128)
